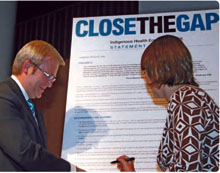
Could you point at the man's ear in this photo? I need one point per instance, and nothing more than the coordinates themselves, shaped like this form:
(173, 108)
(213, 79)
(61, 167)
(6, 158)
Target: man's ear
(26, 66)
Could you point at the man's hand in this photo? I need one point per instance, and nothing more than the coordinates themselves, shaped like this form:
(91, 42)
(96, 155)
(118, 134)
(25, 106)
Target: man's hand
(76, 169)
(79, 169)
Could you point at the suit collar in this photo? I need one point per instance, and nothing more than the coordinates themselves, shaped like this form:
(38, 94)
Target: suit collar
(20, 86)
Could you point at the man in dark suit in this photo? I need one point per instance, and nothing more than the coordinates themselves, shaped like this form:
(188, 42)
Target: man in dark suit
(23, 141)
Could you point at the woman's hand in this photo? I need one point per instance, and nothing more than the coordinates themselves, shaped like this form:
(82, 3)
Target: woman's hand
(125, 166)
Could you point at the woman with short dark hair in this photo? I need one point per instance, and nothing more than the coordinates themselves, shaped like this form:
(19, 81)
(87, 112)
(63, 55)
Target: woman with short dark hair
(190, 139)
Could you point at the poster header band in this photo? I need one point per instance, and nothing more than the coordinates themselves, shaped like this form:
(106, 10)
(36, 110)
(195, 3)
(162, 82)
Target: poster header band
(156, 24)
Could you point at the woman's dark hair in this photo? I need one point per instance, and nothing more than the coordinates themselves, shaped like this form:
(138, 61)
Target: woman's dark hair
(168, 61)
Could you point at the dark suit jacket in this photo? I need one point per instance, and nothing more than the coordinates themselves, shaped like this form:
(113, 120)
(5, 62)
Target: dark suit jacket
(23, 144)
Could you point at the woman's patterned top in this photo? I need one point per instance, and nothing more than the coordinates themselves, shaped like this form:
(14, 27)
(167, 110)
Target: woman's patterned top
(190, 139)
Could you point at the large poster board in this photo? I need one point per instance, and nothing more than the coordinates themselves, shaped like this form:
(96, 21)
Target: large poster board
(109, 110)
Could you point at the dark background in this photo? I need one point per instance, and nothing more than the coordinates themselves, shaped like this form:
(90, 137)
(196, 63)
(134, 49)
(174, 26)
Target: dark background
(27, 10)
(52, 20)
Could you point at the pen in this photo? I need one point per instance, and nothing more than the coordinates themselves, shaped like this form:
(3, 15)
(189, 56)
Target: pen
(127, 159)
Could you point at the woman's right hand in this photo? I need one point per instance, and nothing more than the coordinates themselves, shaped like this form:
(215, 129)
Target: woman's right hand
(125, 166)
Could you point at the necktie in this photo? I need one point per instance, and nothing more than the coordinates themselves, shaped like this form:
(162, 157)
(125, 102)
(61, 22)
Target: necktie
(31, 105)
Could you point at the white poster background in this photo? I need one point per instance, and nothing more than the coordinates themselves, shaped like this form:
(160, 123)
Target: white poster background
(109, 110)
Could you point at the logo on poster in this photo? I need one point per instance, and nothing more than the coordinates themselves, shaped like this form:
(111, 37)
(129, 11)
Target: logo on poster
(151, 25)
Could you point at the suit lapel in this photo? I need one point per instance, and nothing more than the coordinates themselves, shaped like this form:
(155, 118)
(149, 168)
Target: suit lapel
(41, 127)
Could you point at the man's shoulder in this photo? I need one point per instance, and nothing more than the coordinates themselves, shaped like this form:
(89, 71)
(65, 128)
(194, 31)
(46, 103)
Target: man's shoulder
(4, 86)
(8, 88)
(10, 97)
